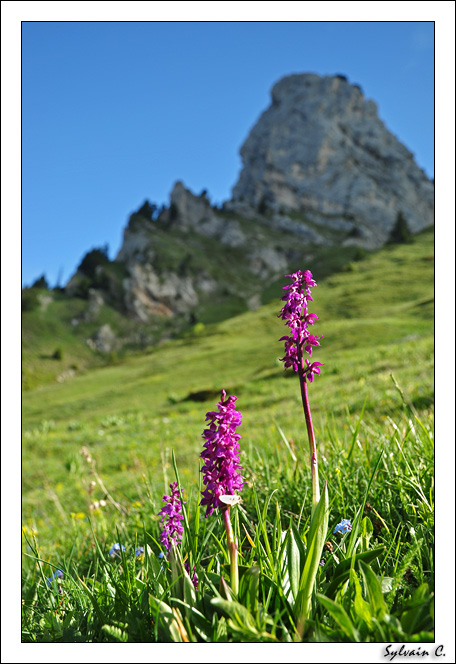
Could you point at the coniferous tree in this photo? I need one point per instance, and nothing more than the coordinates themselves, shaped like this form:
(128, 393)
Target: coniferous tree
(40, 283)
(148, 210)
(92, 260)
(400, 232)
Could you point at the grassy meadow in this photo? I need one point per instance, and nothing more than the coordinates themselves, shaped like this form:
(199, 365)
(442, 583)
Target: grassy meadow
(110, 435)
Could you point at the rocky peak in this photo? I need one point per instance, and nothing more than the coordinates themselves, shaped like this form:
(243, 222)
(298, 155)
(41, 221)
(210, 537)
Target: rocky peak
(321, 148)
(188, 209)
(189, 212)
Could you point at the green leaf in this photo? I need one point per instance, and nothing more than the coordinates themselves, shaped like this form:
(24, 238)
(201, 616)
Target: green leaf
(296, 556)
(198, 621)
(248, 586)
(225, 590)
(387, 584)
(166, 623)
(342, 571)
(221, 630)
(417, 614)
(367, 530)
(183, 587)
(374, 591)
(277, 529)
(115, 633)
(240, 616)
(340, 616)
(94, 601)
(362, 608)
(241, 621)
(321, 511)
(315, 544)
(189, 590)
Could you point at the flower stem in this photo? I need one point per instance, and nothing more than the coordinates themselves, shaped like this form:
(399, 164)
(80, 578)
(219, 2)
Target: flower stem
(310, 432)
(232, 551)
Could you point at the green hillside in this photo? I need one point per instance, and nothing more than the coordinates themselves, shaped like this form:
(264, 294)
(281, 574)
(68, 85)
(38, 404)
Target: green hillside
(59, 327)
(376, 318)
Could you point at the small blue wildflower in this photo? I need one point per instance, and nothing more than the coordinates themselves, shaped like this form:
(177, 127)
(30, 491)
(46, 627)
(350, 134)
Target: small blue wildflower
(115, 551)
(139, 551)
(57, 575)
(161, 555)
(343, 527)
(322, 562)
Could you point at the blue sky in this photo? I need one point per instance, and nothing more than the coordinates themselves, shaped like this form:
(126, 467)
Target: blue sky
(116, 112)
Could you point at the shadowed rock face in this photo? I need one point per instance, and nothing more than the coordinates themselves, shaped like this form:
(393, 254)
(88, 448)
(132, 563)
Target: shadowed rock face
(321, 147)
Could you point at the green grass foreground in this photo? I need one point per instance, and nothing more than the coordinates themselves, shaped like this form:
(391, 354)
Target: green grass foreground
(373, 415)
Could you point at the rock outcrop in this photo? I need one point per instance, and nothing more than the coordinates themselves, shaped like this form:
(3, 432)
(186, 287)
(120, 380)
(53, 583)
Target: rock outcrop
(194, 213)
(320, 148)
(104, 340)
(148, 293)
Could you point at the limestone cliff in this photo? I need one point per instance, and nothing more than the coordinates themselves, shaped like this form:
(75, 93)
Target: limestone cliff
(320, 148)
